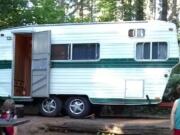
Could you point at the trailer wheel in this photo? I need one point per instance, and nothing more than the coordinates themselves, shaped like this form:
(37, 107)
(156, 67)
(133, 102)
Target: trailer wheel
(77, 107)
(50, 106)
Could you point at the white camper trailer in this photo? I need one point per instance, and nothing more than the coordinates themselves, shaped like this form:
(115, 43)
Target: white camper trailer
(74, 66)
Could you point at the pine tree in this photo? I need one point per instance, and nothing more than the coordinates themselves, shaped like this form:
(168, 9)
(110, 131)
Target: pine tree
(164, 10)
(127, 10)
(139, 9)
(108, 10)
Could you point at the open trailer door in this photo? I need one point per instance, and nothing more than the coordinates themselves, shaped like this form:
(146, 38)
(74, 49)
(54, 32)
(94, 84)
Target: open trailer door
(40, 64)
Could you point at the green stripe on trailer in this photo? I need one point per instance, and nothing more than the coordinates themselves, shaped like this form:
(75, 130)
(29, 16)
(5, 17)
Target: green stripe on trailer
(118, 101)
(117, 63)
(5, 64)
(105, 63)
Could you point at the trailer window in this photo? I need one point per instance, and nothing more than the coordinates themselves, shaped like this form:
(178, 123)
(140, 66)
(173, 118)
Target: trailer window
(159, 50)
(143, 50)
(154, 50)
(136, 33)
(60, 52)
(131, 33)
(89, 51)
(140, 32)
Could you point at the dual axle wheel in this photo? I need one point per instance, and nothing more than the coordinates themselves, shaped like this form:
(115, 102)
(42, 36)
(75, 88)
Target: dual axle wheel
(75, 107)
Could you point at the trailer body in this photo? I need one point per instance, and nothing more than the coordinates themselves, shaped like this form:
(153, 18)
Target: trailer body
(125, 63)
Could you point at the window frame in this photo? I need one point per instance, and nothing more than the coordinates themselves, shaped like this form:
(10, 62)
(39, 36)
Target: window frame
(151, 59)
(98, 44)
(136, 32)
(71, 53)
(141, 30)
(133, 33)
(158, 49)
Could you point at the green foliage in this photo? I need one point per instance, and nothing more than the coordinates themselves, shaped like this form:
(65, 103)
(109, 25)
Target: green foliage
(80, 10)
(127, 9)
(175, 70)
(133, 10)
(139, 9)
(174, 79)
(44, 11)
(73, 19)
(16, 12)
(108, 9)
(10, 12)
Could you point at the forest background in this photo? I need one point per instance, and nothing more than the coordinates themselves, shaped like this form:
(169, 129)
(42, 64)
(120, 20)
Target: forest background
(28, 12)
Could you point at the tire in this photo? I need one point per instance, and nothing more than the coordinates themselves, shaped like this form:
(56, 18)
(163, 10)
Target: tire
(77, 107)
(50, 107)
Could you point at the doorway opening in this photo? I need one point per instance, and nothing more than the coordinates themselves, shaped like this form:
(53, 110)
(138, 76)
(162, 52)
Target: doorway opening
(22, 64)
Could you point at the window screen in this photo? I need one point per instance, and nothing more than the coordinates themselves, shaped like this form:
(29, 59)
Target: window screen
(154, 50)
(143, 50)
(159, 50)
(60, 52)
(88, 51)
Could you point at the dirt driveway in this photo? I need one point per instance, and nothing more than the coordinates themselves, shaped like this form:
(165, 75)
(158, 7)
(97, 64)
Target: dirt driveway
(53, 126)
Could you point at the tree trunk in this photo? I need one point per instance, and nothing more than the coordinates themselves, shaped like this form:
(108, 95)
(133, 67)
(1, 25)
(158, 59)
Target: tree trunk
(81, 12)
(127, 10)
(139, 9)
(164, 10)
(173, 14)
(92, 10)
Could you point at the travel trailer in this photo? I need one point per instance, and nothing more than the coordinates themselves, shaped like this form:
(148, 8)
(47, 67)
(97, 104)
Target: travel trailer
(76, 66)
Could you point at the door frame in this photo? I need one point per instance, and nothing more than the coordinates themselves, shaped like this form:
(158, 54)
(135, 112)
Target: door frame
(25, 32)
(14, 33)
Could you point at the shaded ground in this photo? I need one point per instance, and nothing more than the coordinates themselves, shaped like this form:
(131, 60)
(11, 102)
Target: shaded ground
(38, 125)
(142, 120)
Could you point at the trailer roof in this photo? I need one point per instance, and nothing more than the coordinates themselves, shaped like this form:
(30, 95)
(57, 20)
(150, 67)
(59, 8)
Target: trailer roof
(86, 23)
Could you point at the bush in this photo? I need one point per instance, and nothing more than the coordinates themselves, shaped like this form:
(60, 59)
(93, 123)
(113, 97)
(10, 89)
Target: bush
(170, 93)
